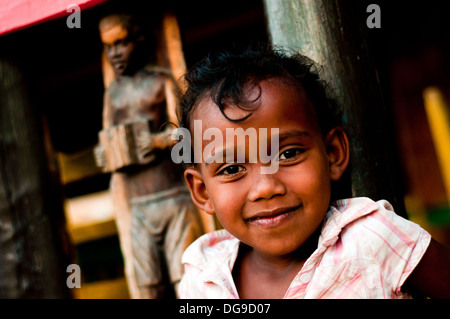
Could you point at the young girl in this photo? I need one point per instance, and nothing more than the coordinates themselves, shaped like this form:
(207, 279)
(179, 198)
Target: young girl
(285, 235)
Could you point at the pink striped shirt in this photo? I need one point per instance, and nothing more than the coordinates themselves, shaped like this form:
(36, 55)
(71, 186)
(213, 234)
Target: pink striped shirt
(365, 250)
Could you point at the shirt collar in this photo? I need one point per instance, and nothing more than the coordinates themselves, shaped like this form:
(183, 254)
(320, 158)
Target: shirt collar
(341, 213)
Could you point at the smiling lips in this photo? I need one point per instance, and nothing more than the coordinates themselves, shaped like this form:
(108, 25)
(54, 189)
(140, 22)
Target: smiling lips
(272, 218)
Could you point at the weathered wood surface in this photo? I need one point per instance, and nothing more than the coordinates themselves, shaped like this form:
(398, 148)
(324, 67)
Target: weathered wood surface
(334, 35)
(120, 145)
(33, 259)
(171, 55)
(438, 116)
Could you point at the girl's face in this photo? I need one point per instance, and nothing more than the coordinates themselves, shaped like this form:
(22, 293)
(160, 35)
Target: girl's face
(273, 213)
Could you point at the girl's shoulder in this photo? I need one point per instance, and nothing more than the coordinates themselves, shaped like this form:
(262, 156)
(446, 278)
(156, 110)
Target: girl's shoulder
(216, 245)
(360, 228)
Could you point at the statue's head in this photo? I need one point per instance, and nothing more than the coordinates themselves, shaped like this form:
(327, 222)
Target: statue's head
(121, 36)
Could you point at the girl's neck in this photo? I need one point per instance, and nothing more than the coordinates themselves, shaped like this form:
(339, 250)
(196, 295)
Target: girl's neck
(259, 275)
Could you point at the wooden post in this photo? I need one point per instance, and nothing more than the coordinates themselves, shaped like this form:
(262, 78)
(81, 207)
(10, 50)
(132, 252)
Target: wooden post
(439, 121)
(334, 35)
(171, 54)
(33, 260)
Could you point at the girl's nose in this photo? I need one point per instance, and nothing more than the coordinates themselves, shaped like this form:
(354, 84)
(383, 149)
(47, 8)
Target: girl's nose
(266, 186)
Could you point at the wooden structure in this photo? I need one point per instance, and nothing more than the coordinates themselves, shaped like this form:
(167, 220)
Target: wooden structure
(438, 116)
(91, 218)
(120, 142)
(34, 246)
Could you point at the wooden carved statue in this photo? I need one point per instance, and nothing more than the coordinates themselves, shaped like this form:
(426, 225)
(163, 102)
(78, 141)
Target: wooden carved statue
(155, 216)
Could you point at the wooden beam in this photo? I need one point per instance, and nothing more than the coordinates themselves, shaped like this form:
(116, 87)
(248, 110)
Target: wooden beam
(90, 217)
(439, 120)
(171, 55)
(77, 166)
(105, 289)
(33, 255)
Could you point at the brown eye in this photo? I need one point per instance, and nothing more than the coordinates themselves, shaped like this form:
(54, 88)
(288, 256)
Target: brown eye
(291, 153)
(232, 169)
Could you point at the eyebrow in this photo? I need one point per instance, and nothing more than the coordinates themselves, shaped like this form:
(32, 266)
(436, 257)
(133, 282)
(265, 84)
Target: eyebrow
(221, 155)
(281, 137)
(294, 133)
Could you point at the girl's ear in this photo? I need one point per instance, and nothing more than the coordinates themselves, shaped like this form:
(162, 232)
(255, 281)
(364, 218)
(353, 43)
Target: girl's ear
(199, 194)
(337, 146)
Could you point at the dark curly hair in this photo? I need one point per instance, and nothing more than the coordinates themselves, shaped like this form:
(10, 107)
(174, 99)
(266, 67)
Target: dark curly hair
(224, 75)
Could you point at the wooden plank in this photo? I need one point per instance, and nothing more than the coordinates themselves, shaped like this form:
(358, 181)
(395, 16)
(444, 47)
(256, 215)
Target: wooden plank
(174, 58)
(105, 289)
(171, 54)
(90, 217)
(120, 145)
(439, 120)
(107, 71)
(92, 232)
(77, 166)
(33, 255)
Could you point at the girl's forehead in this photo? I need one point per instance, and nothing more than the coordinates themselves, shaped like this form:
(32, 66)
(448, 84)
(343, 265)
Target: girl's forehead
(272, 100)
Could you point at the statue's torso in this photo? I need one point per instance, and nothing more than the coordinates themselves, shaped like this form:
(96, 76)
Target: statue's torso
(133, 99)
